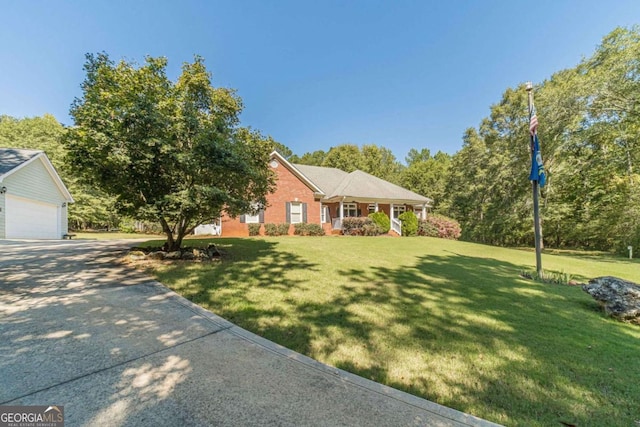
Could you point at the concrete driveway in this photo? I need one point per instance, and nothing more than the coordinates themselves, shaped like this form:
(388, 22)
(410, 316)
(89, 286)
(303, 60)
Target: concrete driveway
(116, 348)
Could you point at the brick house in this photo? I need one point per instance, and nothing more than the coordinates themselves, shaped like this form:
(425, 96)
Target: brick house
(320, 195)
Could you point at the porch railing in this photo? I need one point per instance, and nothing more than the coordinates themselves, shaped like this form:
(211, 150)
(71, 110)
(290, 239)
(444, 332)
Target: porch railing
(396, 226)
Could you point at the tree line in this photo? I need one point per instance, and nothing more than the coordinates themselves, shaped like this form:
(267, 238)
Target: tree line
(589, 131)
(590, 134)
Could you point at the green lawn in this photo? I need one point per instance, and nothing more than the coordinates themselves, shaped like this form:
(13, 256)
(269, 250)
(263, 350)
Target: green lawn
(448, 321)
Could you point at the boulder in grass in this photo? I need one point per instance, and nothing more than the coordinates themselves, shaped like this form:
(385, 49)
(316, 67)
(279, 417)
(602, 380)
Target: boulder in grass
(137, 255)
(173, 255)
(619, 298)
(157, 255)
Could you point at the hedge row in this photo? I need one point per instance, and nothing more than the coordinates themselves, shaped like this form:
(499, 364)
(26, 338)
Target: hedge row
(360, 227)
(283, 229)
(376, 224)
(308, 230)
(276, 229)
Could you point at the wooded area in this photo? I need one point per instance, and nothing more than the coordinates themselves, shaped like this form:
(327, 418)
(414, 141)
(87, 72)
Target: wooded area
(589, 132)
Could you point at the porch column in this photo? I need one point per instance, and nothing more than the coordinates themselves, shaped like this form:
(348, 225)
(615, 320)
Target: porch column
(376, 208)
(391, 210)
(424, 211)
(341, 211)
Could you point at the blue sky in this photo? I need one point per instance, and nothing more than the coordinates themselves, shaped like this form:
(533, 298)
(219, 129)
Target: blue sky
(314, 74)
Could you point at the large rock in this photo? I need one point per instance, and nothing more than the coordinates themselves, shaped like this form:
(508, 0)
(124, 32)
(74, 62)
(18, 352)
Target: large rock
(173, 255)
(137, 255)
(620, 298)
(157, 255)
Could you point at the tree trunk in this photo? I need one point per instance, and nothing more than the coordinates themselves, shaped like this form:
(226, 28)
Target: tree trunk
(170, 244)
(182, 229)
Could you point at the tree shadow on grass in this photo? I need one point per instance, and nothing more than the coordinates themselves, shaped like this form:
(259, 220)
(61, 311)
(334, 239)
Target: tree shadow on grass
(463, 331)
(259, 272)
(525, 353)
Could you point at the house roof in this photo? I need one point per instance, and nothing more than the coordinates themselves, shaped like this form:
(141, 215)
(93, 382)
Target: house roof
(358, 185)
(14, 159)
(11, 158)
(327, 179)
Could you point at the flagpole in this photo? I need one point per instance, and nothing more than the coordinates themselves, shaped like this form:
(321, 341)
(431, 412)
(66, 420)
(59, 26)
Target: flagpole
(534, 184)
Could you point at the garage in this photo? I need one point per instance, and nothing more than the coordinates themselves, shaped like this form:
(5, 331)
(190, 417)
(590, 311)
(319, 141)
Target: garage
(33, 198)
(28, 219)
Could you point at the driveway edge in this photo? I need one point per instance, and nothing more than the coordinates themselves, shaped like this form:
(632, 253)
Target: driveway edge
(454, 415)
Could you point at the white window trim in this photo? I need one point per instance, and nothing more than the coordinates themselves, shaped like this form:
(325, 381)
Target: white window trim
(399, 210)
(252, 219)
(350, 206)
(292, 214)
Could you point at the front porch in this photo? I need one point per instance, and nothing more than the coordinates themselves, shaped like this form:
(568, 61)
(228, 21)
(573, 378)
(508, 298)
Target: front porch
(334, 212)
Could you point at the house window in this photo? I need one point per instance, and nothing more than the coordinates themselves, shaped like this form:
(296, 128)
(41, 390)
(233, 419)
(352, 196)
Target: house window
(324, 214)
(295, 214)
(371, 208)
(350, 209)
(255, 217)
(252, 219)
(398, 210)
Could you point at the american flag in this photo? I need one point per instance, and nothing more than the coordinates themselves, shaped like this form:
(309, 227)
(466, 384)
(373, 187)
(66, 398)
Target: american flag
(537, 167)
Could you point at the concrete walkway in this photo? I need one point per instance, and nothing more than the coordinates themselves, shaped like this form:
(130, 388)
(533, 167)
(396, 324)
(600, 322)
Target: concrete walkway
(116, 348)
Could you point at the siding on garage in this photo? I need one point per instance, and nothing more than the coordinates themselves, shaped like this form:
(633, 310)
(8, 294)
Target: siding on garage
(33, 182)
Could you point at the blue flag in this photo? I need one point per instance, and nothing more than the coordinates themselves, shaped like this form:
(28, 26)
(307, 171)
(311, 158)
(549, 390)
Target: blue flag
(537, 167)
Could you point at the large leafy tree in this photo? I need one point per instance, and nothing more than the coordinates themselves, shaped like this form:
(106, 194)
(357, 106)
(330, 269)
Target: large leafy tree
(346, 157)
(610, 83)
(35, 133)
(589, 122)
(380, 162)
(170, 152)
(427, 175)
(312, 159)
(375, 160)
(467, 187)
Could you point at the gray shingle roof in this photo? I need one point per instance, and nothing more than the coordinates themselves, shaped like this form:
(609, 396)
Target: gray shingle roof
(327, 179)
(11, 158)
(360, 185)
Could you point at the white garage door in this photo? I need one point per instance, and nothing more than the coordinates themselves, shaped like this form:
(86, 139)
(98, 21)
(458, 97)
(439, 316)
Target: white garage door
(28, 219)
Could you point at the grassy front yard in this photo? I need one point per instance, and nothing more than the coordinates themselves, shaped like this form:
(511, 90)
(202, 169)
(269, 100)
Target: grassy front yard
(448, 321)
